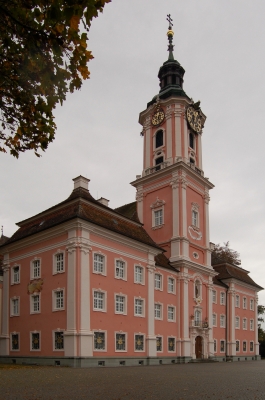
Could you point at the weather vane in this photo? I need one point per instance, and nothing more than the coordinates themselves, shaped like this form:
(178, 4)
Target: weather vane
(170, 21)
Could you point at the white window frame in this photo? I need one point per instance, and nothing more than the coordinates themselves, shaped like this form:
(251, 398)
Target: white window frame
(159, 336)
(53, 339)
(158, 282)
(214, 296)
(222, 318)
(237, 322)
(195, 215)
(160, 305)
(244, 324)
(251, 304)
(244, 303)
(251, 342)
(30, 338)
(168, 285)
(222, 340)
(104, 293)
(214, 319)
(158, 206)
(171, 306)
(237, 301)
(13, 312)
(11, 341)
(124, 312)
(32, 268)
(55, 262)
(54, 299)
(158, 217)
(15, 278)
(31, 299)
(126, 342)
(244, 341)
(251, 324)
(237, 351)
(136, 274)
(222, 298)
(139, 334)
(136, 299)
(175, 342)
(104, 263)
(117, 268)
(105, 339)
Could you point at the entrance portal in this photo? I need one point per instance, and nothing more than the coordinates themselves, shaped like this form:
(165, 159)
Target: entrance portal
(198, 347)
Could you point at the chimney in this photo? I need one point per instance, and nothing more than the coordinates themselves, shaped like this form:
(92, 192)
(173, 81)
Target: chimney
(81, 182)
(104, 201)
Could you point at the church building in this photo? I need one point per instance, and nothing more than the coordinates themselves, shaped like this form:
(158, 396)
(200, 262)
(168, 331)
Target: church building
(87, 285)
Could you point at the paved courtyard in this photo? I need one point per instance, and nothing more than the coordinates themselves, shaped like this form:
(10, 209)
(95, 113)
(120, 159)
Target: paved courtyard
(236, 380)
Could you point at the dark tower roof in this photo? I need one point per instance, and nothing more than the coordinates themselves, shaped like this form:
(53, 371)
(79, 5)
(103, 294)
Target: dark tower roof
(170, 73)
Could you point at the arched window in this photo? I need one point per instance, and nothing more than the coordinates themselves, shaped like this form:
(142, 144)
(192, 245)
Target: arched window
(197, 318)
(159, 138)
(191, 140)
(159, 161)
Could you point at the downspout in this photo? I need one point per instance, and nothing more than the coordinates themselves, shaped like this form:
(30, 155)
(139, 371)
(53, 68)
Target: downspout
(226, 320)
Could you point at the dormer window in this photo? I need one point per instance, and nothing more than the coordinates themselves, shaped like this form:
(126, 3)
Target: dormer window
(159, 138)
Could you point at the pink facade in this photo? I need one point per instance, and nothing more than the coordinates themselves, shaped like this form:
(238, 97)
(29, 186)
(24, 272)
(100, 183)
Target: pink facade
(87, 285)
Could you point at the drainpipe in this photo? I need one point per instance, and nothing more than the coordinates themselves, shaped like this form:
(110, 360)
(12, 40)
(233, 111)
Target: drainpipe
(226, 319)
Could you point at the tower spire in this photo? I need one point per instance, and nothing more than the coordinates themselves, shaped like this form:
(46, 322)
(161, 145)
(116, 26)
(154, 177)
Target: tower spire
(170, 34)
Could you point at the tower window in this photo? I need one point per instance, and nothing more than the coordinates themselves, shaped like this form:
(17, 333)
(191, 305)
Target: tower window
(191, 137)
(159, 160)
(159, 138)
(192, 161)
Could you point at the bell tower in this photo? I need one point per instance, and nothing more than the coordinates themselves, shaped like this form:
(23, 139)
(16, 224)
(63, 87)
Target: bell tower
(172, 192)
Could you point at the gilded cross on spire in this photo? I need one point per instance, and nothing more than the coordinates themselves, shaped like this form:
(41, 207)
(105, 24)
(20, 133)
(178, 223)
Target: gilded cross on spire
(170, 34)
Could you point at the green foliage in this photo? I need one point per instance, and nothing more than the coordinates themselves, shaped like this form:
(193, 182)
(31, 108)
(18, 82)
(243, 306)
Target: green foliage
(223, 254)
(43, 55)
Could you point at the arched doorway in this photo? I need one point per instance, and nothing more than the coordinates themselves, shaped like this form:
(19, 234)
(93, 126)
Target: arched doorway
(198, 347)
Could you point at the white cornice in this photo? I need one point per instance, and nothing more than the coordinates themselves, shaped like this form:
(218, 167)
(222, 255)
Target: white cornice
(241, 283)
(194, 266)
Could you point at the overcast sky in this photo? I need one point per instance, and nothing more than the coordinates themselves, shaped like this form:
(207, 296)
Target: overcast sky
(221, 45)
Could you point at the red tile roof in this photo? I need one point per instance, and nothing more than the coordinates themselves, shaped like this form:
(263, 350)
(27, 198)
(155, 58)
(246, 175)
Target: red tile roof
(228, 271)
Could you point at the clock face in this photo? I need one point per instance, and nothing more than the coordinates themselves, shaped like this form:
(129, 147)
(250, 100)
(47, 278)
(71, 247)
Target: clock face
(158, 117)
(194, 119)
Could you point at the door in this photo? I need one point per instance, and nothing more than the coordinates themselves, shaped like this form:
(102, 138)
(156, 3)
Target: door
(198, 347)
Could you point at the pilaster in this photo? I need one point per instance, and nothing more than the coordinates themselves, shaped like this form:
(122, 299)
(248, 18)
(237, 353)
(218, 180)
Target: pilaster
(210, 317)
(178, 141)
(185, 339)
(151, 337)
(140, 204)
(169, 135)
(231, 345)
(256, 344)
(199, 152)
(4, 337)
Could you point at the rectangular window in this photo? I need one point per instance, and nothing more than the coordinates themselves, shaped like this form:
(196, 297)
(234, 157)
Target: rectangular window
(237, 301)
(244, 302)
(120, 342)
(214, 319)
(59, 262)
(14, 307)
(222, 298)
(158, 311)
(138, 307)
(99, 301)
(214, 346)
(58, 341)
(35, 303)
(120, 304)
(14, 341)
(222, 321)
(194, 218)
(158, 215)
(237, 345)
(222, 346)
(139, 343)
(251, 304)
(138, 274)
(35, 341)
(171, 344)
(16, 274)
(237, 322)
(159, 343)
(36, 269)
(251, 346)
(120, 269)
(59, 300)
(244, 346)
(171, 313)
(244, 323)
(251, 325)
(99, 341)
(158, 281)
(214, 296)
(171, 285)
